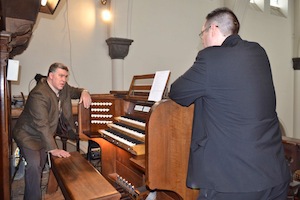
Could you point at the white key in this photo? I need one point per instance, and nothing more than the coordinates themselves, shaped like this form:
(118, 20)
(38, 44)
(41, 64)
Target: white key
(133, 121)
(122, 140)
(127, 130)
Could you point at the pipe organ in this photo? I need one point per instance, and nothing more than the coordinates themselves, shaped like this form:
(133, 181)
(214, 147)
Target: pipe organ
(144, 145)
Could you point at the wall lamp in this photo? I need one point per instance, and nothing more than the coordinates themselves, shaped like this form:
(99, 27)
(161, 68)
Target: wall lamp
(43, 2)
(103, 2)
(106, 13)
(48, 6)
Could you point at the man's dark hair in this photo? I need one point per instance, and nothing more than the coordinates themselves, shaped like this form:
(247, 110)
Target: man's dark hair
(225, 19)
(54, 66)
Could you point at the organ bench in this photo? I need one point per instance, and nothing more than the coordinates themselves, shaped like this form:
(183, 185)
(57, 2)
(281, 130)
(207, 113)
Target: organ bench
(79, 180)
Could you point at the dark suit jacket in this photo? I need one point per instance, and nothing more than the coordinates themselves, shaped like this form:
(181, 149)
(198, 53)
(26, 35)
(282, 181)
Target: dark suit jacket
(236, 141)
(37, 123)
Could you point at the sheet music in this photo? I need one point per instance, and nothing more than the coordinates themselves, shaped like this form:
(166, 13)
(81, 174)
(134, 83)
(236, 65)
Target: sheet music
(158, 85)
(12, 70)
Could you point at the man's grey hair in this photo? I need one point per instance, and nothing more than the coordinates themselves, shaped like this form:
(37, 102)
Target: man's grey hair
(54, 66)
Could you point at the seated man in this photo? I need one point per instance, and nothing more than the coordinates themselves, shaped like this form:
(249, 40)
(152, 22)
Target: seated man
(35, 129)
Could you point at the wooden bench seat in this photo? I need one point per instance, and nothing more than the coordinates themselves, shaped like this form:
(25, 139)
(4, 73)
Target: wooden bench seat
(78, 179)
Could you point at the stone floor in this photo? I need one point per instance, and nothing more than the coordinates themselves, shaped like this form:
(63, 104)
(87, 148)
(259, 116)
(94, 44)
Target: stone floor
(18, 183)
(18, 188)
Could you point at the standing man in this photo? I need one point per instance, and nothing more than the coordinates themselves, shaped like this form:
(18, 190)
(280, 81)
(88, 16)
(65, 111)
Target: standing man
(36, 126)
(236, 149)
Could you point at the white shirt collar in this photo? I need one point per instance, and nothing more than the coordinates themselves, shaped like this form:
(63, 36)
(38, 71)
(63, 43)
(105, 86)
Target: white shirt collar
(54, 89)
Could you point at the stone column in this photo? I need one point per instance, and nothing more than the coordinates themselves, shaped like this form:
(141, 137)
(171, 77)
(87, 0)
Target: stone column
(296, 66)
(296, 123)
(118, 50)
(118, 42)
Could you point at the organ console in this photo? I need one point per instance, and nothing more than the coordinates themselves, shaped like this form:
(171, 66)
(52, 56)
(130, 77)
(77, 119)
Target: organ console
(144, 145)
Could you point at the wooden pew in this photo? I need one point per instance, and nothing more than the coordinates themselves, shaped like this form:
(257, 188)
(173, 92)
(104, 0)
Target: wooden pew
(292, 153)
(79, 180)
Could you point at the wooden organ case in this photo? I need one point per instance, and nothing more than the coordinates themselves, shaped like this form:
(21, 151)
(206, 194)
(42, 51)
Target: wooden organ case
(144, 145)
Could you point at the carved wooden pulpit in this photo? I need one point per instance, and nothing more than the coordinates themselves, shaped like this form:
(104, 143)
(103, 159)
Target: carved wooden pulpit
(17, 18)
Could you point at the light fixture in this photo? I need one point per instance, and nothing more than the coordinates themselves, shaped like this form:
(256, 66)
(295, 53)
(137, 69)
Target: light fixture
(103, 2)
(43, 2)
(49, 6)
(106, 13)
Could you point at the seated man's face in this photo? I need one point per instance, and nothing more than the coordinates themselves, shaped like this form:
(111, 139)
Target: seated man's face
(58, 78)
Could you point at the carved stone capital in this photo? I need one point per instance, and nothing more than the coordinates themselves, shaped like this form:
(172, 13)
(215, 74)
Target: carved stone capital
(118, 47)
(296, 63)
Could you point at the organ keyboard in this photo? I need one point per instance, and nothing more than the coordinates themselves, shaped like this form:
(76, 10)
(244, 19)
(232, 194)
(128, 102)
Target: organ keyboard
(127, 143)
(135, 123)
(144, 145)
(136, 134)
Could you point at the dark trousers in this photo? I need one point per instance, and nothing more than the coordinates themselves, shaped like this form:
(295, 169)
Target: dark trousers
(35, 162)
(275, 193)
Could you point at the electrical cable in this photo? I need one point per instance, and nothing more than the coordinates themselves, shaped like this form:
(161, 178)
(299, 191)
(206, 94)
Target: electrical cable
(70, 41)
